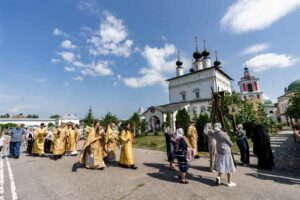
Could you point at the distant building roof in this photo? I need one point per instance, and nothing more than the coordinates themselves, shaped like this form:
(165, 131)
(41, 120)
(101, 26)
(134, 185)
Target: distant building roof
(141, 110)
(69, 116)
(198, 71)
(172, 107)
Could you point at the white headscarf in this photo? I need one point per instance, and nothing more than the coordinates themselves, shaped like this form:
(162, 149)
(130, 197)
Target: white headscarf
(217, 126)
(168, 130)
(179, 133)
(207, 128)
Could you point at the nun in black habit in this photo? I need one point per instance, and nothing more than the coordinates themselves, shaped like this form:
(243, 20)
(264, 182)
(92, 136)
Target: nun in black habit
(262, 148)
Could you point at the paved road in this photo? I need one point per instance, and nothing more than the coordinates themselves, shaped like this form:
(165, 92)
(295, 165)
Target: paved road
(30, 178)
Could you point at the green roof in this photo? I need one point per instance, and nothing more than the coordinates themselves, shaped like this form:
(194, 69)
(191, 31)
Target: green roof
(294, 86)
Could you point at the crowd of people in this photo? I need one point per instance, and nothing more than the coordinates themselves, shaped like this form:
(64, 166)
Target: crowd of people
(100, 146)
(183, 148)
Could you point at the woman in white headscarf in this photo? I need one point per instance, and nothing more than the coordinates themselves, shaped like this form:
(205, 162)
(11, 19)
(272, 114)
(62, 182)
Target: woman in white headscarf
(224, 160)
(182, 146)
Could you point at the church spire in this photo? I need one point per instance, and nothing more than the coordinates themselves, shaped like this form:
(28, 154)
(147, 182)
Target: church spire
(197, 55)
(179, 62)
(217, 63)
(205, 53)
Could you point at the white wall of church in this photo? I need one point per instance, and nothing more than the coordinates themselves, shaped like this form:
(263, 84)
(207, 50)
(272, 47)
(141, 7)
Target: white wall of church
(189, 85)
(223, 83)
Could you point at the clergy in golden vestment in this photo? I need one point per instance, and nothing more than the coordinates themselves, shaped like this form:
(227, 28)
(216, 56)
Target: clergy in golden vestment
(59, 141)
(70, 136)
(92, 152)
(39, 140)
(74, 140)
(192, 136)
(126, 156)
(112, 135)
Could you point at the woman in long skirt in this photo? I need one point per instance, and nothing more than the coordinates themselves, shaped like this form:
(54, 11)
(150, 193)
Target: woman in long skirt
(224, 160)
(181, 155)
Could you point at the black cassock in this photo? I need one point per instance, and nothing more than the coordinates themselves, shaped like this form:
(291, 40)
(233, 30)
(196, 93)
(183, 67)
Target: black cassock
(262, 147)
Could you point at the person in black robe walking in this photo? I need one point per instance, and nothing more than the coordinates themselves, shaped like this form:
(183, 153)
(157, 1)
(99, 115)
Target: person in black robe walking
(262, 148)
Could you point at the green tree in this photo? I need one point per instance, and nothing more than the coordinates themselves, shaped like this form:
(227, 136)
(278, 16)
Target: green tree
(89, 118)
(143, 125)
(293, 110)
(108, 119)
(202, 137)
(33, 116)
(56, 116)
(5, 116)
(183, 119)
(135, 122)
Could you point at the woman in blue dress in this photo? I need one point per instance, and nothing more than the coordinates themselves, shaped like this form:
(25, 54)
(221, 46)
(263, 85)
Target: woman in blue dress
(181, 155)
(170, 144)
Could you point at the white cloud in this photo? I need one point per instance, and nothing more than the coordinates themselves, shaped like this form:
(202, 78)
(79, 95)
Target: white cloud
(92, 6)
(78, 78)
(58, 32)
(54, 60)
(267, 61)
(256, 48)
(69, 69)
(159, 63)
(250, 15)
(67, 56)
(111, 38)
(67, 44)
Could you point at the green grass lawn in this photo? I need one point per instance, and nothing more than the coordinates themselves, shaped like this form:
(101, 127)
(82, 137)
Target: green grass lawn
(157, 142)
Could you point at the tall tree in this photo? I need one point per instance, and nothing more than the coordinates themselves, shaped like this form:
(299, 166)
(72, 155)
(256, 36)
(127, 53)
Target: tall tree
(33, 116)
(168, 120)
(202, 138)
(56, 116)
(5, 116)
(183, 119)
(135, 121)
(293, 109)
(108, 119)
(89, 118)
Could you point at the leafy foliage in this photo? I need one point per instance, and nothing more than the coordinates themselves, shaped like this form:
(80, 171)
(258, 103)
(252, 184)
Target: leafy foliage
(183, 119)
(293, 110)
(33, 116)
(202, 119)
(5, 116)
(108, 119)
(56, 116)
(89, 118)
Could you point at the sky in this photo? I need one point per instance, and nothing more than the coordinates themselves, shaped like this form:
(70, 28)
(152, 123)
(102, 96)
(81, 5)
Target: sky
(60, 56)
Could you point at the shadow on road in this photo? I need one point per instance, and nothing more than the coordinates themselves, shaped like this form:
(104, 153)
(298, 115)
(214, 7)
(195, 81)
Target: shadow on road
(165, 174)
(77, 166)
(278, 178)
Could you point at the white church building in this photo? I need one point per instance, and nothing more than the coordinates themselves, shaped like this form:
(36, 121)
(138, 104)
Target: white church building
(192, 91)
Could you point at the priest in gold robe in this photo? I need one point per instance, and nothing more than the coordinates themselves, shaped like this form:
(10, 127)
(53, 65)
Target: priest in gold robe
(126, 156)
(92, 152)
(59, 141)
(112, 135)
(192, 136)
(70, 139)
(74, 140)
(39, 140)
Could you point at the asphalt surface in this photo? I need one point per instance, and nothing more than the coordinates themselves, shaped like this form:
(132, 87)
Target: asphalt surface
(34, 178)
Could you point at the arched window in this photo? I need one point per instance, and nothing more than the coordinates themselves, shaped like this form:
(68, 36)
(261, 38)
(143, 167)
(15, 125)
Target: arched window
(250, 87)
